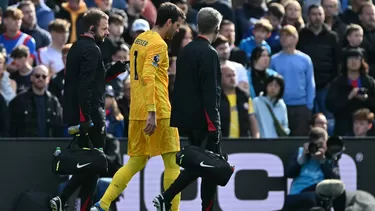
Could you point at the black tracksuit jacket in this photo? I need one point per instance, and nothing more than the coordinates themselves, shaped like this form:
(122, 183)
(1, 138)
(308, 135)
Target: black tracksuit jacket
(197, 88)
(85, 80)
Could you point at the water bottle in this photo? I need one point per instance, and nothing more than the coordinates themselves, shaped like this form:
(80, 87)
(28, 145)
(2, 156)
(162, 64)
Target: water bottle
(57, 151)
(73, 129)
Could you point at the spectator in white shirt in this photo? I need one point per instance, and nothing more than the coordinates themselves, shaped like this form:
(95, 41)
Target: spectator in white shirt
(51, 56)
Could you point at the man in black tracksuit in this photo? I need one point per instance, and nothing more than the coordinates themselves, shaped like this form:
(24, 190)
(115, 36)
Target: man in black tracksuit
(84, 90)
(195, 103)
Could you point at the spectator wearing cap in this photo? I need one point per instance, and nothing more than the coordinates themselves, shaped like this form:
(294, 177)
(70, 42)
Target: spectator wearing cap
(36, 112)
(363, 120)
(29, 25)
(138, 27)
(247, 15)
(297, 70)
(275, 15)
(191, 14)
(228, 30)
(352, 90)
(262, 30)
(367, 20)
(114, 39)
(121, 54)
(319, 42)
(114, 118)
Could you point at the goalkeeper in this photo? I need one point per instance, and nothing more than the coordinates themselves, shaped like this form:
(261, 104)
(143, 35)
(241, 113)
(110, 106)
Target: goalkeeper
(150, 109)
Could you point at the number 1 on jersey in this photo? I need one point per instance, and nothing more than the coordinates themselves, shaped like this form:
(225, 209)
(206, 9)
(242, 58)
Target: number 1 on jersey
(135, 65)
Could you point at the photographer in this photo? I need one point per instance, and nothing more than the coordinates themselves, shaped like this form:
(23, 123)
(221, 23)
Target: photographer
(312, 163)
(352, 90)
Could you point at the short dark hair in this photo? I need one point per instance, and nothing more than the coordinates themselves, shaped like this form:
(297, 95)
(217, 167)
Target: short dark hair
(59, 25)
(219, 41)
(14, 13)
(116, 19)
(317, 133)
(364, 114)
(276, 9)
(313, 6)
(168, 11)
(280, 81)
(20, 52)
(366, 4)
(92, 18)
(226, 22)
(25, 4)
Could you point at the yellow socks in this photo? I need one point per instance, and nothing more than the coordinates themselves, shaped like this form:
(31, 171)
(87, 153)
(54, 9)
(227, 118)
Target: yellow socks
(172, 170)
(121, 179)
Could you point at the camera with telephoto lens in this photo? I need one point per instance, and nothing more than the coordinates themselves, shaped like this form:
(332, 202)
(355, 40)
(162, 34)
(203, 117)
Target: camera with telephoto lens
(314, 147)
(335, 147)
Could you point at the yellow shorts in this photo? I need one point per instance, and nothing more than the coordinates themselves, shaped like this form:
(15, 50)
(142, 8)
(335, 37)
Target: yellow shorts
(165, 139)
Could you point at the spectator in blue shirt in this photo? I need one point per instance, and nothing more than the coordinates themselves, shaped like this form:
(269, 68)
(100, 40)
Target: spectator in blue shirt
(44, 14)
(262, 30)
(297, 71)
(308, 167)
(275, 15)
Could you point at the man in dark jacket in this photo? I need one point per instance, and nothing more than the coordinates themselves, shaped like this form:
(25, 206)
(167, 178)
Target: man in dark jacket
(195, 103)
(84, 90)
(36, 112)
(322, 45)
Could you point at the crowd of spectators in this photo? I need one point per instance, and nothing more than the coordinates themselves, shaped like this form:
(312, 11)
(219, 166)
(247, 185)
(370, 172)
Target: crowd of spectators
(287, 65)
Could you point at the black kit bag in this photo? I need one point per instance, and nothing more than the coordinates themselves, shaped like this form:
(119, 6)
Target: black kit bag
(76, 160)
(212, 165)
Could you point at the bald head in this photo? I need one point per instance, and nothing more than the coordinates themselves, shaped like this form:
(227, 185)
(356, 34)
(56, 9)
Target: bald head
(41, 69)
(228, 77)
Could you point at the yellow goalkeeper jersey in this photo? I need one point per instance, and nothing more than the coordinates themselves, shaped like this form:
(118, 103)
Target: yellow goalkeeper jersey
(149, 65)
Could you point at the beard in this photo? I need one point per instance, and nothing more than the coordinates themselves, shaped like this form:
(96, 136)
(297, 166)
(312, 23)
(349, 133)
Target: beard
(99, 39)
